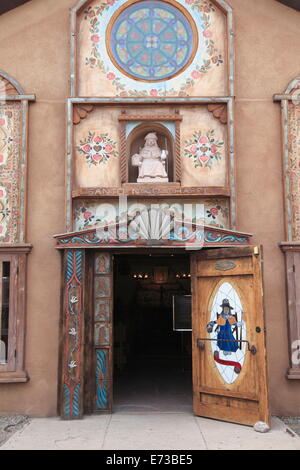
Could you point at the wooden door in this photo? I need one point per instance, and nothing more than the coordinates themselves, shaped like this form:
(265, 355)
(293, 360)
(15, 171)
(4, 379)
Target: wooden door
(229, 352)
(99, 335)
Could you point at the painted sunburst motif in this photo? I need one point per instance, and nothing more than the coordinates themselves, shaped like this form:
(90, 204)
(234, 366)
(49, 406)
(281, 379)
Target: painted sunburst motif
(227, 330)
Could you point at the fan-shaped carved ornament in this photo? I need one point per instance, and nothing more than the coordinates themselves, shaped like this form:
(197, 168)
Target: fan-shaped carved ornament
(6, 88)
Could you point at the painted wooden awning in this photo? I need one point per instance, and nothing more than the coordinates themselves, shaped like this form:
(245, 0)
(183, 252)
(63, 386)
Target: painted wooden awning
(112, 237)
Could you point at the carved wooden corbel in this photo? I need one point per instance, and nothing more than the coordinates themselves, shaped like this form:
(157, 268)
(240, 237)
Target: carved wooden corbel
(219, 111)
(81, 111)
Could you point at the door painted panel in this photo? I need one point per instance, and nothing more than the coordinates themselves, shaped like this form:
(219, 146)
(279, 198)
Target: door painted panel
(229, 354)
(103, 335)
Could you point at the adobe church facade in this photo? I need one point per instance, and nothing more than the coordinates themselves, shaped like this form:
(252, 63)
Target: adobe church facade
(136, 129)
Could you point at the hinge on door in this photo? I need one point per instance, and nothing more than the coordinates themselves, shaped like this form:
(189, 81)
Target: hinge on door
(294, 268)
(15, 353)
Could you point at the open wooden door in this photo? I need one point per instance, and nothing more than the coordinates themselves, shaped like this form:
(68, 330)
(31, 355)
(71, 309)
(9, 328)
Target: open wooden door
(229, 352)
(99, 335)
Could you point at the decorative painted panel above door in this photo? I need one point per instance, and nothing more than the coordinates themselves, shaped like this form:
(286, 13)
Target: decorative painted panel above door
(197, 143)
(152, 48)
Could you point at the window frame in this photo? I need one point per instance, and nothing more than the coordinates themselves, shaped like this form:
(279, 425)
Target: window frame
(13, 370)
(10, 365)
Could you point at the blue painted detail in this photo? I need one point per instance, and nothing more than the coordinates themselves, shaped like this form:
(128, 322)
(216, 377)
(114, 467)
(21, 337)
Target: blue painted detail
(79, 262)
(76, 401)
(133, 125)
(212, 237)
(185, 235)
(152, 40)
(225, 265)
(69, 266)
(101, 379)
(84, 240)
(67, 400)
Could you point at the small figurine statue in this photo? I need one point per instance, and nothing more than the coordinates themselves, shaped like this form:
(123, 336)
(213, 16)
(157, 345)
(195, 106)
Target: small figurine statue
(151, 161)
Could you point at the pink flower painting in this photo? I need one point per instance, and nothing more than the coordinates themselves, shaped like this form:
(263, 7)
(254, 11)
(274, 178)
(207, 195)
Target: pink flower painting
(204, 149)
(87, 215)
(87, 148)
(196, 74)
(97, 148)
(111, 76)
(95, 38)
(207, 34)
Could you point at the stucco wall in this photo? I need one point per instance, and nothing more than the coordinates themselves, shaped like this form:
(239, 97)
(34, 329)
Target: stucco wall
(34, 50)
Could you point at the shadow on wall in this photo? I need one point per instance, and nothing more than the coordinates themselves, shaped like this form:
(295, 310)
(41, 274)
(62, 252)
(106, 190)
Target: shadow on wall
(291, 3)
(10, 4)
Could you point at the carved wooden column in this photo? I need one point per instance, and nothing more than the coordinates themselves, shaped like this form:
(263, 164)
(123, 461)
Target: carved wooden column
(123, 156)
(292, 259)
(103, 331)
(72, 367)
(177, 152)
(290, 111)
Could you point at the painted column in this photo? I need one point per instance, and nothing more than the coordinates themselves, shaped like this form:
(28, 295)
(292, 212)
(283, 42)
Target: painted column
(73, 335)
(290, 109)
(292, 260)
(103, 330)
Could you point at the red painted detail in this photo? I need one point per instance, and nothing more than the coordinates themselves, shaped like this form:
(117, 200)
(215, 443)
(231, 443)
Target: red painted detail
(237, 366)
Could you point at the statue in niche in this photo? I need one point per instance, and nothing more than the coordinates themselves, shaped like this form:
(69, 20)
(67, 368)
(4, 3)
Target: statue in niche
(151, 162)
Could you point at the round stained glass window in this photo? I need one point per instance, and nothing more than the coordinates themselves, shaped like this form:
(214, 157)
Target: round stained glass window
(152, 40)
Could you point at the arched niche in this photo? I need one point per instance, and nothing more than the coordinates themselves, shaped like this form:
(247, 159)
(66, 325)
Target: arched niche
(136, 140)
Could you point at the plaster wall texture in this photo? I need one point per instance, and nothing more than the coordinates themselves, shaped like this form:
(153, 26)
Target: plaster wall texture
(34, 42)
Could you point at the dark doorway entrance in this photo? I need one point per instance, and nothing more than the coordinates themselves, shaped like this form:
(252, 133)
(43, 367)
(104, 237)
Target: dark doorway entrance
(152, 362)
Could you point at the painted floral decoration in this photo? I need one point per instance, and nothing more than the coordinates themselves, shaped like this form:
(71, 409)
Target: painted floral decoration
(5, 211)
(6, 140)
(10, 172)
(85, 218)
(95, 61)
(293, 170)
(205, 149)
(97, 148)
(214, 212)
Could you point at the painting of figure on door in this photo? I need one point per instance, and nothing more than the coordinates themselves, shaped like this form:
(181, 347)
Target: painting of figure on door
(227, 330)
